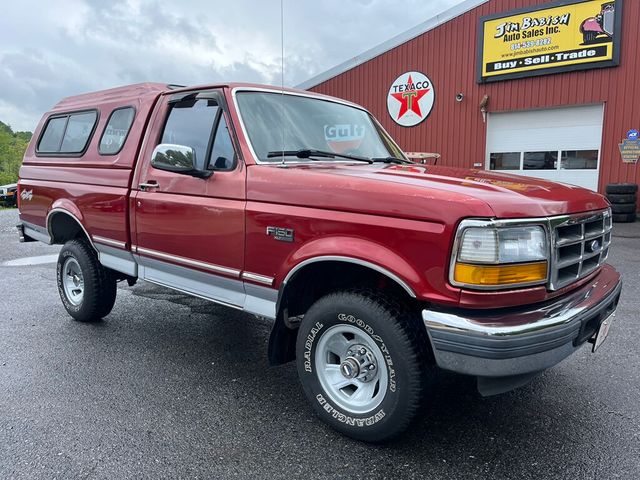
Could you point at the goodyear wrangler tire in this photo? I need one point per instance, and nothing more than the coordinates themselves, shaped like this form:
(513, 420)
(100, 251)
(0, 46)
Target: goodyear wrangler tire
(363, 363)
(87, 289)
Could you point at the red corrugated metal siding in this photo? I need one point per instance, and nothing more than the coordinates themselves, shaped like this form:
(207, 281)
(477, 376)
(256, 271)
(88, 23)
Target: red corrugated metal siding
(447, 55)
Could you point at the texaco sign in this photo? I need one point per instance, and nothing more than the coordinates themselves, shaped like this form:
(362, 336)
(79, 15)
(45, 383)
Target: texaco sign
(410, 98)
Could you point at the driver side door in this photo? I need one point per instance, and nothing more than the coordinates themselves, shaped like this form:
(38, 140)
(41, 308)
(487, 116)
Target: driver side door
(189, 232)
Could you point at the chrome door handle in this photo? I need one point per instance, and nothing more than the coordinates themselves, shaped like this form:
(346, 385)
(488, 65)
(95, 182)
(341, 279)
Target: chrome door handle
(149, 184)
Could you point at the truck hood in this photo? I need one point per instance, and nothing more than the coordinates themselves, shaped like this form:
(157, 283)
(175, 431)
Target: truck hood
(508, 195)
(418, 191)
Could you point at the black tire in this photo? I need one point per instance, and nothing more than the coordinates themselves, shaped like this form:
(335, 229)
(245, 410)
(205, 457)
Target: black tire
(622, 188)
(99, 283)
(624, 217)
(389, 327)
(622, 198)
(624, 208)
(589, 37)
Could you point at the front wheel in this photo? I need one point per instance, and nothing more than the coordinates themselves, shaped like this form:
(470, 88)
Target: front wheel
(87, 289)
(363, 361)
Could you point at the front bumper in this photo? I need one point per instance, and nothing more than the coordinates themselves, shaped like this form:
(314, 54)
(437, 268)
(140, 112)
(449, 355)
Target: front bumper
(520, 342)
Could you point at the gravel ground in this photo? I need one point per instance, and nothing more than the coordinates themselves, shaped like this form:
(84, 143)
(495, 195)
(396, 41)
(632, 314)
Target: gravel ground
(174, 387)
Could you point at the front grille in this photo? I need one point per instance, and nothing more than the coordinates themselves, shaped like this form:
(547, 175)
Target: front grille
(580, 245)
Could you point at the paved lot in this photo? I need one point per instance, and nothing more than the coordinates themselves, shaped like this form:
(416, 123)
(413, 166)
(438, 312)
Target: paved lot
(173, 387)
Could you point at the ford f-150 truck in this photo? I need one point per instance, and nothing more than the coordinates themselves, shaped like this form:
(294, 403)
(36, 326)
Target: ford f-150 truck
(300, 208)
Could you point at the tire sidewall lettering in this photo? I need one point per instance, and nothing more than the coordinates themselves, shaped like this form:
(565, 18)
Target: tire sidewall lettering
(359, 421)
(64, 255)
(347, 419)
(308, 346)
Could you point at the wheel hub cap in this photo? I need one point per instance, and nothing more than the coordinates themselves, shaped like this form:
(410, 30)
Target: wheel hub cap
(350, 369)
(73, 281)
(360, 363)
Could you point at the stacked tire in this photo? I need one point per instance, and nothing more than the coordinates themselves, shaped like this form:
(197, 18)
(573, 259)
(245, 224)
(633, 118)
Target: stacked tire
(624, 199)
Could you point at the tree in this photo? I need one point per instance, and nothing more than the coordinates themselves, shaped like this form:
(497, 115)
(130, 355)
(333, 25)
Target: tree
(12, 148)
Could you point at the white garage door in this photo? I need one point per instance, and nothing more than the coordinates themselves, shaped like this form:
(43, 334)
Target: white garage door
(561, 144)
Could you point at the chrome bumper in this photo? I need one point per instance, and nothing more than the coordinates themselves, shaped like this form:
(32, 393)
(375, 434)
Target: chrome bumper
(520, 342)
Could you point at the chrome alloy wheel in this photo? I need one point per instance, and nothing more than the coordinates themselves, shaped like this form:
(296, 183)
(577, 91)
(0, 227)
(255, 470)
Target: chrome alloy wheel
(351, 369)
(73, 281)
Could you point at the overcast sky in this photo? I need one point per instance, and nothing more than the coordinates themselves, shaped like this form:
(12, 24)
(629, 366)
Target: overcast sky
(50, 49)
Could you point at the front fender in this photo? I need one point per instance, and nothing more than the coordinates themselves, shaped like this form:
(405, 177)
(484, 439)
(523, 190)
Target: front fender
(355, 250)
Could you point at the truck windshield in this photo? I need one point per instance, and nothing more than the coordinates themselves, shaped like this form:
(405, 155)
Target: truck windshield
(310, 124)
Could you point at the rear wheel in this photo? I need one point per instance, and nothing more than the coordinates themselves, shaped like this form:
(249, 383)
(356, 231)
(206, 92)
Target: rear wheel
(363, 363)
(87, 289)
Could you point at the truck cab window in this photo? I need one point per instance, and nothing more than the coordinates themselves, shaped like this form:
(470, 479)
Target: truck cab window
(190, 124)
(222, 153)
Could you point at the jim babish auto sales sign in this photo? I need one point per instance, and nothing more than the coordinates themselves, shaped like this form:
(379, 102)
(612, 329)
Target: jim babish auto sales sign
(552, 38)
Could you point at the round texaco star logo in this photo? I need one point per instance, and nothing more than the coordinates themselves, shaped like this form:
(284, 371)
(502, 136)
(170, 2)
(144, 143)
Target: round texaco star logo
(410, 98)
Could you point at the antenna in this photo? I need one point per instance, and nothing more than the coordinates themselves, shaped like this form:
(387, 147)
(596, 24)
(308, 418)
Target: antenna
(282, 74)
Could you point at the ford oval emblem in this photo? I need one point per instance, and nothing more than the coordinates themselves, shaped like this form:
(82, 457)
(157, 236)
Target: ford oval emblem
(594, 246)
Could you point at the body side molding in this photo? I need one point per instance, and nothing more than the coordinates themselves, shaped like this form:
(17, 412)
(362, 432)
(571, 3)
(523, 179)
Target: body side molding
(109, 241)
(234, 293)
(187, 261)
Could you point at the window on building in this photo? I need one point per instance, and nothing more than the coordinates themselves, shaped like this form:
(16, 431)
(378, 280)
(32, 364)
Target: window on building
(540, 160)
(116, 131)
(545, 160)
(579, 160)
(505, 161)
(67, 134)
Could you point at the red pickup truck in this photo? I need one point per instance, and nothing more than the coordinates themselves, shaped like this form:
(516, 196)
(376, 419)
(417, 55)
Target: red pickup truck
(300, 208)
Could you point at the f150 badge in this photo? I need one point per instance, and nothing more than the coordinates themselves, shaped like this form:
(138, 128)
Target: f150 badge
(281, 233)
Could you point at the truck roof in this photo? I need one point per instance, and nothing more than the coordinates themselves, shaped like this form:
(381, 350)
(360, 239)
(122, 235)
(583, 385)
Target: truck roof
(138, 91)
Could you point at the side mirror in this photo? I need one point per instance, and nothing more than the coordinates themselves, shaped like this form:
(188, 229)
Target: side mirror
(177, 159)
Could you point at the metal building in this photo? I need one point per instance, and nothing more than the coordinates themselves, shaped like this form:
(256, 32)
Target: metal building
(550, 90)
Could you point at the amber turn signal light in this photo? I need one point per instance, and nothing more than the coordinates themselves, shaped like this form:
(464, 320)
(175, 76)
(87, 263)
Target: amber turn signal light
(496, 275)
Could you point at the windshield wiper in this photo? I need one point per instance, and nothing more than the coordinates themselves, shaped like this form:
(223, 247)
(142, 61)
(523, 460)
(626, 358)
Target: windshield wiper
(397, 160)
(309, 153)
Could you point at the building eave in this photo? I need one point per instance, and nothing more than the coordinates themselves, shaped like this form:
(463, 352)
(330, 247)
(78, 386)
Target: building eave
(424, 27)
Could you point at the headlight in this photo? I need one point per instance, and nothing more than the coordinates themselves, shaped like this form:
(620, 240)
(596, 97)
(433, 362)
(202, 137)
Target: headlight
(496, 256)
